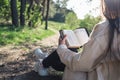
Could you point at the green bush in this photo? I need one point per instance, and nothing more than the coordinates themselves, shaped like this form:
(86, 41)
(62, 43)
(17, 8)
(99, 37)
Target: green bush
(71, 20)
(89, 22)
(34, 19)
(4, 11)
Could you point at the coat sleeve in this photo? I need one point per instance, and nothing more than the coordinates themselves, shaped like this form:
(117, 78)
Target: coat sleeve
(93, 52)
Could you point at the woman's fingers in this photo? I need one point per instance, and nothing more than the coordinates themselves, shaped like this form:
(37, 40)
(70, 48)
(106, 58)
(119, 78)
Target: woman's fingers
(62, 41)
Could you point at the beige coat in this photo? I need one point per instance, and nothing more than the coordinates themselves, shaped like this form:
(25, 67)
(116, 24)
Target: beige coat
(95, 62)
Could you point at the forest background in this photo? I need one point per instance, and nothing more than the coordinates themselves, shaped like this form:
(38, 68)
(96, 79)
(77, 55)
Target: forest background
(32, 20)
(29, 24)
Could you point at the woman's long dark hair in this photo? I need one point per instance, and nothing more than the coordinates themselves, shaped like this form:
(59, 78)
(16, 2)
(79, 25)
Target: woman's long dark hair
(113, 25)
(111, 11)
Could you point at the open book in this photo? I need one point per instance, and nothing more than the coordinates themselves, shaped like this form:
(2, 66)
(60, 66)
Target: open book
(75, 38)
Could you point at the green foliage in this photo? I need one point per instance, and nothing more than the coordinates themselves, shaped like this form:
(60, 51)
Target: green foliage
(89, 22)
(58, 10)
(62, 3)
(4, 10)
(52, 10)
(30, 35)
(59, 17)
(3, 3)
(58, 26)
(71, 20)
(25, 35)
(34, 19)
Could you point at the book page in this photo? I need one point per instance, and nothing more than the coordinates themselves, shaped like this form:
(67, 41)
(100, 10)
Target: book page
(82, 35)
(71, 39)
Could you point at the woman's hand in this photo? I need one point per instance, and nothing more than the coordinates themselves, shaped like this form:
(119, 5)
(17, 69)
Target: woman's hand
(62, 41)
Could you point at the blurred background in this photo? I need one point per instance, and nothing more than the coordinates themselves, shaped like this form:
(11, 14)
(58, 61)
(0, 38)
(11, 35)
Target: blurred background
(29, 24)
(32, 20)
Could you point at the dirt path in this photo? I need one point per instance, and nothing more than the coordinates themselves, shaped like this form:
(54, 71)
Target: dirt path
(16, 62)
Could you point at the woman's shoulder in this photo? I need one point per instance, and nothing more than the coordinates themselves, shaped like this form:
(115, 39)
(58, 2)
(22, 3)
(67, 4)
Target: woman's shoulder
(101, 28)
(102, 25)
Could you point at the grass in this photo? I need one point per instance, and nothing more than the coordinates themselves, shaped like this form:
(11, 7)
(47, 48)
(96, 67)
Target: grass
(27, 34)
(58, 26)
(24, 35)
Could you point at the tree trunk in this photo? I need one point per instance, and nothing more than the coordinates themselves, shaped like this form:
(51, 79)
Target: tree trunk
(14, 12)
(29, 8)
(42, 9)
(47, 13)
(22, 14)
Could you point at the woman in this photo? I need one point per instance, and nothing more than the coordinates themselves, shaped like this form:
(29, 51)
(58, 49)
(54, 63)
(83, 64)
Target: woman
(100, 58)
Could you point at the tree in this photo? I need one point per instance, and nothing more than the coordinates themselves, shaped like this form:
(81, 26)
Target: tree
(61, 3)
(89, 22)
(43, 10)
(34, 12)
(29, 7)
(58, 10)
(47, 13)
(4, 10)
(72, 20)
(22, 12)
(14, 12)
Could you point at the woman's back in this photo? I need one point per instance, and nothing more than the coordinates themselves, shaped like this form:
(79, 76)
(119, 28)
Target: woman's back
(109, 68)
